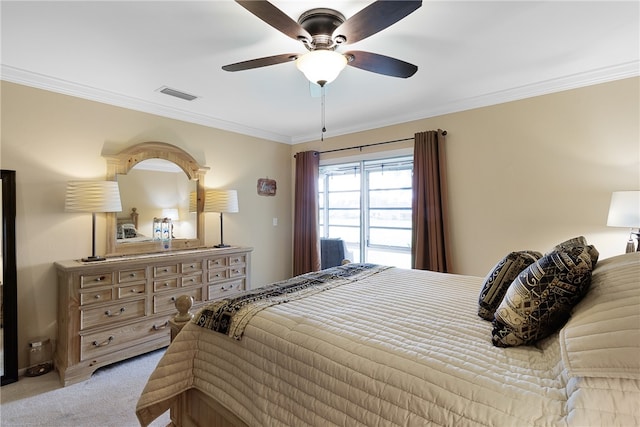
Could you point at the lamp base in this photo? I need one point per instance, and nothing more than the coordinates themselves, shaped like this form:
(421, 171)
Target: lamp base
(222, 245)
(93, 258)
(631, 246)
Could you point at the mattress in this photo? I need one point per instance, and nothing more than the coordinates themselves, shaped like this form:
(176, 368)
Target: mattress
(401, 348)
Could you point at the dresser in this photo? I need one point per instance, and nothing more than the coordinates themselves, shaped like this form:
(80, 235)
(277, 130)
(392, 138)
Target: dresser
(115, 309)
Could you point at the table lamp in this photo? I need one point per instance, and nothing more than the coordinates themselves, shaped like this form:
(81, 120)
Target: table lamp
(222, 201)
(624, 211)
(93, 197)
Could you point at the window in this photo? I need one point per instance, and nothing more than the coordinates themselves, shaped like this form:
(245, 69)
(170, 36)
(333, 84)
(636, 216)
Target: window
(368, 205)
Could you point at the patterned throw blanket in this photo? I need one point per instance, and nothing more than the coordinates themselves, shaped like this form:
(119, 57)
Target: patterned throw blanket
(231, 315)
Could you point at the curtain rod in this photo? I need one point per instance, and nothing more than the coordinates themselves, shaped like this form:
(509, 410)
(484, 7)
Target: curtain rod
(360, 147)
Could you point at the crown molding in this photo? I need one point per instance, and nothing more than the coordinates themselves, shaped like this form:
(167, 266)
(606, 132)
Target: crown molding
(589, 78)
(65, 87)
(602, 75)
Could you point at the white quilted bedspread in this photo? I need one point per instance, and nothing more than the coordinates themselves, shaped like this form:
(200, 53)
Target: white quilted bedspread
(401, 348)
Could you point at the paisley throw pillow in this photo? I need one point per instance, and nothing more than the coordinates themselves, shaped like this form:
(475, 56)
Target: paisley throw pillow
(500, 277)
(540, 300)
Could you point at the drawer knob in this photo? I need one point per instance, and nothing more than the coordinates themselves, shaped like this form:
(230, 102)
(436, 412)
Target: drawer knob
(159, 328)
(109, 313)
(173, 299)
(100, 279)
(132, 275)
(97, 296)
(103, 343)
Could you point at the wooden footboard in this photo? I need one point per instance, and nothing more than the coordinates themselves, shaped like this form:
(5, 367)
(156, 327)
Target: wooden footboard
(193, 408)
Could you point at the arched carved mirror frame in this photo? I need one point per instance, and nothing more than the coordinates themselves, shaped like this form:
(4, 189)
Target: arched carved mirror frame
(124, 161)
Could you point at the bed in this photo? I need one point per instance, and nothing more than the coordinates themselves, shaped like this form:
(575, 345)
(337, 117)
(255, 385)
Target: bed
(127, 230)
(397, 347)
(127, 227)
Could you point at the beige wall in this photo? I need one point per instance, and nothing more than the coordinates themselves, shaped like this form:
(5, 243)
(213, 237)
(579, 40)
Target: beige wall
(50, 138)
(531, 173)
(522, 175)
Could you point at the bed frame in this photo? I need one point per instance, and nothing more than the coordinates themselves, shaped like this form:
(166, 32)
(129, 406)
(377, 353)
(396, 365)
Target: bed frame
(131, 219)
(193, 408)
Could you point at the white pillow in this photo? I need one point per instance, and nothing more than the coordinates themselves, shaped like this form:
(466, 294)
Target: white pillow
(602, 338)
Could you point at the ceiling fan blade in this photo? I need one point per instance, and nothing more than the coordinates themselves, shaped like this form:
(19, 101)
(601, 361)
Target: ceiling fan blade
(380, 64)
(261, 62)
(374, 18)
(276, 18)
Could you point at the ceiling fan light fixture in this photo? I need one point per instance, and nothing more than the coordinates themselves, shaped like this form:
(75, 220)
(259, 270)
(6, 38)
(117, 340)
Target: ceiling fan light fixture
(321, 66)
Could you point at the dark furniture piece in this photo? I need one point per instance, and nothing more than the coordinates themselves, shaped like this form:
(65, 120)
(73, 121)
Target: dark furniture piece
(332, 252)
(9, 279)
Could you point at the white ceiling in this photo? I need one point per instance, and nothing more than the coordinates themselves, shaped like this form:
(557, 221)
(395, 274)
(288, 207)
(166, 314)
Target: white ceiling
(470, 54)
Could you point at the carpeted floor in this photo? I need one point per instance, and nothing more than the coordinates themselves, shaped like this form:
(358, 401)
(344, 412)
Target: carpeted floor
(107, 399)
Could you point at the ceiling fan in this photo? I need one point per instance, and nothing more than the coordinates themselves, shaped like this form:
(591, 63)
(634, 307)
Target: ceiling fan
(322, 30)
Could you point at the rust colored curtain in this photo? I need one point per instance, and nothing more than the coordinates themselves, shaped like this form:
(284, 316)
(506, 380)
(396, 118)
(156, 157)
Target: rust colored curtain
(306, 244)
(430, 237)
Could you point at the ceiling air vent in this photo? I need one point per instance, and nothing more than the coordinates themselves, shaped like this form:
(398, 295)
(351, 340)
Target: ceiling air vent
(177, 93)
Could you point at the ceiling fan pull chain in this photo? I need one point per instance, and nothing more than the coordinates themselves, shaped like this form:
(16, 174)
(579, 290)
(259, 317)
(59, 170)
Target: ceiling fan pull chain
(324, 129)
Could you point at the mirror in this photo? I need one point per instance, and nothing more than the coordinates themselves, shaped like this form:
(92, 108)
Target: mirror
(155, 189)
(156, 181)
(8, 281)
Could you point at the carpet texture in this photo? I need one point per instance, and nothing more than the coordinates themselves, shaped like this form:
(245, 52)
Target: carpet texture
(107, 399)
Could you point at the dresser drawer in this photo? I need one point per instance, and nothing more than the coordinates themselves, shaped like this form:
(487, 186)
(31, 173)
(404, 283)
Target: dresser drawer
(132, 275)
(237, 259)
(122, 338)
(161, 285)
(237, 270)
(165, 270)
(217, 263)
(111, 313)
(167, 301)
(217, 275)
(132, 290)
(98, 279)
(217, 291)
(95, 296)
(192, 280)
(191, 267)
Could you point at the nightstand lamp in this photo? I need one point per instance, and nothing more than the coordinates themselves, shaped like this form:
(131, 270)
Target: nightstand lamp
(624, 211)
(222, 201)
(93, 197)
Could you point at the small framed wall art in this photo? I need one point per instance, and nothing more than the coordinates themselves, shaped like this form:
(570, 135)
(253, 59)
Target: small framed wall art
(266, 187)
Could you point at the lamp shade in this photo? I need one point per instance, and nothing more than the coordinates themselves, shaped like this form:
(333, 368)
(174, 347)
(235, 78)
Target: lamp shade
(321, 66)
(222, 201)
(624, 210)
(92, 196)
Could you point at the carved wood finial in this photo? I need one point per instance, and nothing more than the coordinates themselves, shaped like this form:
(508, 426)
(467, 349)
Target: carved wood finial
(183, 305)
